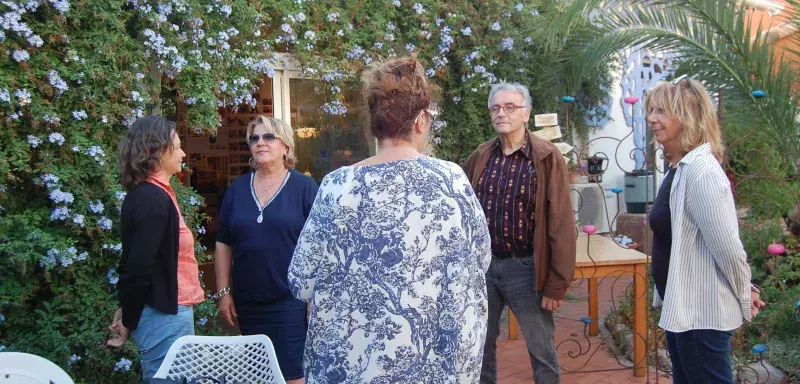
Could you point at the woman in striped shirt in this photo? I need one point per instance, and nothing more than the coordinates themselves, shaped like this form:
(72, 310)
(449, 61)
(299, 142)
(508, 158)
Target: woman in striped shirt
(699, 265)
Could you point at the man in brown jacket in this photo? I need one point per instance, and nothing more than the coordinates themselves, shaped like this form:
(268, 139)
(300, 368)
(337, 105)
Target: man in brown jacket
(522, 184)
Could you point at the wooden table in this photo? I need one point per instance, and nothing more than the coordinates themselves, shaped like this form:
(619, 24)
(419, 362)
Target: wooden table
(609, 260)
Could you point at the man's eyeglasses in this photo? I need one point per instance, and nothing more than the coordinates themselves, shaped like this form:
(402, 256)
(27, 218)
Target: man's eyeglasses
(508, 109)
(267, 137)
(686, 78)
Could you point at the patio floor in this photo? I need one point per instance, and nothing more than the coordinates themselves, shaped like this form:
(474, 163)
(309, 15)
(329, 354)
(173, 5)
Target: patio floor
(514, 365)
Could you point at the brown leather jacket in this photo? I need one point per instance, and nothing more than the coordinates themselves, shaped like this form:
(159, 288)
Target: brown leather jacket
(555, 234)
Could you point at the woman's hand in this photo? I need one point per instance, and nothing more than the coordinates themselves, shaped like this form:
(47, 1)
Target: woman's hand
(755, 304)
(120, 333)
(228, 310)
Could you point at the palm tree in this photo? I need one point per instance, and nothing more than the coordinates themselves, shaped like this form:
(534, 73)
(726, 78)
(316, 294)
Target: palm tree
(713, 40)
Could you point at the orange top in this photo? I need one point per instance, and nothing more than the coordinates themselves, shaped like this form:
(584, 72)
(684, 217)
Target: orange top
(189, 290)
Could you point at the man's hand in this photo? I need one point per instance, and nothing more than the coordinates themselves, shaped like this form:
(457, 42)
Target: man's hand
(228, 310)
(755, 304)
(550, 304)
(119, 332)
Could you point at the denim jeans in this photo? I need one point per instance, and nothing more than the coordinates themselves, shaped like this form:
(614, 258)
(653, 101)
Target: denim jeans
(700, 356)
(157, 332)
(512, 281)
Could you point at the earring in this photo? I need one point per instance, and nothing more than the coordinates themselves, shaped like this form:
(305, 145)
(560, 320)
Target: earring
(251, 163)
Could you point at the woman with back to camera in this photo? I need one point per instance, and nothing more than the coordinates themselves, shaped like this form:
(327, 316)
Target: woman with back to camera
(260, 220)
(393, 256)
(158, 274)
(699, 265)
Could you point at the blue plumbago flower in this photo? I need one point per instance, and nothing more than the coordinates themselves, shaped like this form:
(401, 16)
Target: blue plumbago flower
(201, 230)
(191, 100)
(113, 277)
(96, 153)
(430, 72)
(535, 12)
(467, 31)
(355, 53)
(496, 26)
(139, 76)
(391, 26)
(519, 7)
(123, 365)
(66, 261)
(51, 119)
(201, 322)
(83, 256)
(340, 32)
(334, 108)
(35, 41)
(368, 60)
(60, 213)
(410, 47)
(507, 44)
(438, 125)
(418, 7)
(194, 201)
(58, 196)
(389, 36)
(226, 10)
(5, 96)
(286, 28)
(78, 220)
(333, 17)
(2, 318)
(62, 6)
(56, 138)
(20, 55)
(529, 40)
(23, 96)
(50, 258)
(105, 223)
(50, 180)
(96, 206)
(456, 99)
(310, 35)
(2, 36)
(396, 3)
(378, 44)
(79, 115)
(72, 360)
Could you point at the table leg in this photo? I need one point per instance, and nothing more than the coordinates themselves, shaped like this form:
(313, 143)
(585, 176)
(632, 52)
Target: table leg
(513, 326)
(594, 327)
(639, 322)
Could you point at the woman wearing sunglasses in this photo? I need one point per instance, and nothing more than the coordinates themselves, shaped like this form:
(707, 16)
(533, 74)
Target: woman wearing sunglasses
(260, 220)
(699, 265)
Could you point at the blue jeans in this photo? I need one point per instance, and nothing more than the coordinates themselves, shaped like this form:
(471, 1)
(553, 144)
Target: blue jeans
(512, 281)
(700, 356)
(157, 332)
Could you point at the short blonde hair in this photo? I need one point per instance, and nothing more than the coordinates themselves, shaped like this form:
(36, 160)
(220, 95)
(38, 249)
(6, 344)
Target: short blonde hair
(688, 102)
(281, 130)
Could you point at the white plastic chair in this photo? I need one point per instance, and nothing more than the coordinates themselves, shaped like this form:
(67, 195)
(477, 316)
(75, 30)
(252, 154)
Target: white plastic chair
(24, 368)
(249, 359)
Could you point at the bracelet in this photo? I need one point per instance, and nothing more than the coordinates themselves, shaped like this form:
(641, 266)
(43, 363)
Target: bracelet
(222, 292)
(754, 288)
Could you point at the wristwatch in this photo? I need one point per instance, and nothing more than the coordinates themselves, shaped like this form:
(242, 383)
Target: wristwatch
(222, 292)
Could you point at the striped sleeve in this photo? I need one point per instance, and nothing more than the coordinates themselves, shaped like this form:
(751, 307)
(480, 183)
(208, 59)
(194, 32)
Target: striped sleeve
(710, 205)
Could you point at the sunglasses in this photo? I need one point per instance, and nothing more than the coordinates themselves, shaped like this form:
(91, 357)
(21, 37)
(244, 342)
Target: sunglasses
(687, 79)
(267, 137)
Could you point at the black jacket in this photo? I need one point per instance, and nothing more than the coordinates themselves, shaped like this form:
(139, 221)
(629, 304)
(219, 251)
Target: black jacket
(148, 271)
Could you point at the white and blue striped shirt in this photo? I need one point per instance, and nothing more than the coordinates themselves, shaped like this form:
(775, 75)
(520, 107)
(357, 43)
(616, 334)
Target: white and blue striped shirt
(708, 286)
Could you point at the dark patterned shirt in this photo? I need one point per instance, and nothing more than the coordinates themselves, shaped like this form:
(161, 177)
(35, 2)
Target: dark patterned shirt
(507, 192)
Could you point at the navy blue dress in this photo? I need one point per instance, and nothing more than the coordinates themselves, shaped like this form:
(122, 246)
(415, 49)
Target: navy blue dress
(262, 252)
(661, 223)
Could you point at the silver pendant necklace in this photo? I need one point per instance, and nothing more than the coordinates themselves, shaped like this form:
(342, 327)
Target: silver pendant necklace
(260, 217)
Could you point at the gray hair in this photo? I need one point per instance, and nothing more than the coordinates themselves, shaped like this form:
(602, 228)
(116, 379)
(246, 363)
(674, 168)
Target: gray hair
(516, 87)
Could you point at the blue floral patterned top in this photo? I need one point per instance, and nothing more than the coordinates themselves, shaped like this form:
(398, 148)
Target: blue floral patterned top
(393, 258)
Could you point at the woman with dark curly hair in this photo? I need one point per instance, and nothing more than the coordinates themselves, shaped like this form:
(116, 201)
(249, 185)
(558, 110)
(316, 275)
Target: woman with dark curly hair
(158, 274)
